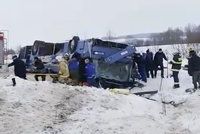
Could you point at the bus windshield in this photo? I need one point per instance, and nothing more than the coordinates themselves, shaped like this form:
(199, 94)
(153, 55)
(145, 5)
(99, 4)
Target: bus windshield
(115, 71)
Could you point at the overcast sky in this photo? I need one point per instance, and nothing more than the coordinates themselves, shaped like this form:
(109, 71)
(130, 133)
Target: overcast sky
(59, 20)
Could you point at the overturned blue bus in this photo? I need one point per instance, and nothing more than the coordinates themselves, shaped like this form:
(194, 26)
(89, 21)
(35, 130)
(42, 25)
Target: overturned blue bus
(25, 53)
(113, 61)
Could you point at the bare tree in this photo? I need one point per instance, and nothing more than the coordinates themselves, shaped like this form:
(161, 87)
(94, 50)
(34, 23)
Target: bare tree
(193, 36)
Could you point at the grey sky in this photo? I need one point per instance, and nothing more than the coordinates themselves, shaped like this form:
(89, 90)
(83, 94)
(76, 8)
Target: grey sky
(59, 20)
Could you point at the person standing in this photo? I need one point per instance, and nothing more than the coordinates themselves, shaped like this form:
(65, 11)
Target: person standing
(39, 66)
(141, 66)
(19, 67)
(82, 77)
(176, 66)
(74, 68)
(90, 72)
(63, 74)
(149, 63)
(158, 61)
(194, 68)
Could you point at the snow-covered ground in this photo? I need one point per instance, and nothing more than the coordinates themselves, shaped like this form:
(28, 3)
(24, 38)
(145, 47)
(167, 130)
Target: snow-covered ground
(47, 108)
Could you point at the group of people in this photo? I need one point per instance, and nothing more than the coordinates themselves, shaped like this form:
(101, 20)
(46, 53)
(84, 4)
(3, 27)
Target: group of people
(76, 70)
(82, 70)
(148, 63)
(73, 70)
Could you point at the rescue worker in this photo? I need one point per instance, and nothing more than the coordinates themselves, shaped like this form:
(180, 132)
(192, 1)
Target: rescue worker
(176, 66)
(39, 68)
(149, 63)
(74, 68)
(19, 67)
(82, 77)
(63, 74)
(90, 72)
(134, 68)
(158, 61)
(194, 68)
(141, 66)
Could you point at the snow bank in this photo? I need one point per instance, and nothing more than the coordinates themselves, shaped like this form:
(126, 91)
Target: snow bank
(46, 108)
(32, 107)
(110, 113)
(43, 107)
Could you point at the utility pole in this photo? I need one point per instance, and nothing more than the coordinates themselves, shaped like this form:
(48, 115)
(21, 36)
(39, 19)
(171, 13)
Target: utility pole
(5, 36)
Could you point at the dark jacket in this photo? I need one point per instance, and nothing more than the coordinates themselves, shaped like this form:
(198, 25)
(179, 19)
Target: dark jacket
(39, 64)
(149, 57)
(140, 61)
(74, 69)
(90, 70)
(19, 68)
(176, 63)
(73, 64)
(158, 58)
(82, 77)
(193, 64)
(149, 60)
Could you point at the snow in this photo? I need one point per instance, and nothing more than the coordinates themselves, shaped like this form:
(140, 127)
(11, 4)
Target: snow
(48, 108)
(43, 107)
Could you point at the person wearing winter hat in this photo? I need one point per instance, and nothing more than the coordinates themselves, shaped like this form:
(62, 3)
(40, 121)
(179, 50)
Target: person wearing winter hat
(66, 56)
(158, 60)
(63, 74)
(138, 58)
(191, 52)
(176, 66)
(39, 68)
(149, 63)
(74, 68)
(19, 67)
(194, 68)
(90, 72)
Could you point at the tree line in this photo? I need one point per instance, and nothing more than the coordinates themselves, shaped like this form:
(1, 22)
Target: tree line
(188, 35)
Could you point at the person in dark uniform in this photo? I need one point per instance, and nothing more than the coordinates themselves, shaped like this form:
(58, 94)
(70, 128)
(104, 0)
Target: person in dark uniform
(39, 69)
(176, 66)
(82, 77)
(194, 68)
(90, 72)
(74, 68)
(19, 67)
(158, 61)
(149, 64)
(141, 66)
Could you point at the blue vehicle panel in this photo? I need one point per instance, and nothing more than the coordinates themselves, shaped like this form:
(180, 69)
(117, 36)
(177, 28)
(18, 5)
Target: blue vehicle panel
(113, 61)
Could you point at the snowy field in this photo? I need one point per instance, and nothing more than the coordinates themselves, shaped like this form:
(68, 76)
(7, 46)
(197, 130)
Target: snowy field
(46, 108)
